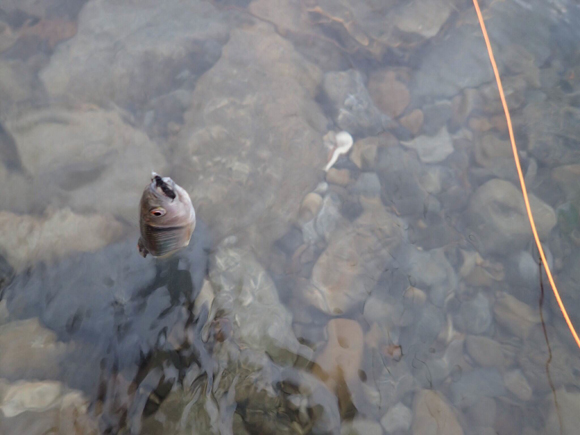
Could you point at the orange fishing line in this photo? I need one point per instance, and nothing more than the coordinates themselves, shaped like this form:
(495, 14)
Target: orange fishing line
(521, 175)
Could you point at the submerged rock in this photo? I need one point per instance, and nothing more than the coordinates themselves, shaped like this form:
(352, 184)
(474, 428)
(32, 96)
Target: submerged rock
(453, 63)
(430, 271)
(485, 351)
(128, 53)
(400, 174)
(252, 141)
(339, 363)
(397, 419)
(37, 408)
(390, 95)
(346, 272)
(477, 384)
(352, 107)
(533, 356)
(28, 350)
(517, 384)
(432, 149)
(433, 415)
(498, 219)
(514, 315)
(28, 239)
(474, 315)
(361, 427)
(91, 161)
(17, 193)
(250, 395)
(553, 130)
(372, 27)
(564, 416)
(247, 294)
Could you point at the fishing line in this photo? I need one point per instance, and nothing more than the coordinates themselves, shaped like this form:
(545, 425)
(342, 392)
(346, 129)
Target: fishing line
(521, 175)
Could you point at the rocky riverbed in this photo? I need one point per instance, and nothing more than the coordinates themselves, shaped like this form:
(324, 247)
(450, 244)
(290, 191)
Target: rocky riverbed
(362, 262)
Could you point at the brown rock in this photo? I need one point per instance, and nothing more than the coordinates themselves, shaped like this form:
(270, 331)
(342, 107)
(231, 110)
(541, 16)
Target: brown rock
(413, 121)
(310, 207)
(485, 351)
(517, 384)
(390, 95)
(480, 124)
(364, 151)
(433, 415)
(496, 212)
(463, 105)
(27, 350)
(340, 177)
(499, 122)
(37, 408)
(514, 315)
(339, 363)
(27, 239)
(489, 149)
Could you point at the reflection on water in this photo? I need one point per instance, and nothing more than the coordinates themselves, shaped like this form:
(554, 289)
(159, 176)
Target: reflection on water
(393, 288)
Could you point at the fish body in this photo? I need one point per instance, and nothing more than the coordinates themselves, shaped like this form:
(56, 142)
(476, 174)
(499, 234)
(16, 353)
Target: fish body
(167, 218)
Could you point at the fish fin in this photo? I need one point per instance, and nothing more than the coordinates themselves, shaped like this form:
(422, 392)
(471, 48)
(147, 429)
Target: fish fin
(142, 249)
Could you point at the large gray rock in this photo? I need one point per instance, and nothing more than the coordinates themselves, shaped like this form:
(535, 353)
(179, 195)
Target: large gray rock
(91, 161)
(498, 221)
(128, 52)
(247, 296)
(253, 137)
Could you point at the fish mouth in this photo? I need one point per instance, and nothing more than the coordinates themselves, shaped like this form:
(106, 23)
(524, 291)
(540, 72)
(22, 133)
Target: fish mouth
(163, 186)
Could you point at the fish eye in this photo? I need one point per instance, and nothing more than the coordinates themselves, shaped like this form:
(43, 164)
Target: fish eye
(158, 212)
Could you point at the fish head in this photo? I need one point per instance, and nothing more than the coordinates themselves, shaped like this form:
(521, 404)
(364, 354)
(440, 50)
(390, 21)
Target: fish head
(167, 217)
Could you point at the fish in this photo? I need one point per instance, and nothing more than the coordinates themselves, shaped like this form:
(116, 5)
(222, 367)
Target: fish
(167, 218)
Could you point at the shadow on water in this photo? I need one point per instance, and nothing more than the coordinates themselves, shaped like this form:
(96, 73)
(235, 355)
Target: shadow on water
(120, 327)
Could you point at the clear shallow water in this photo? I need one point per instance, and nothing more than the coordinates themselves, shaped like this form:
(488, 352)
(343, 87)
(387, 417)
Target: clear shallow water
(399, 292)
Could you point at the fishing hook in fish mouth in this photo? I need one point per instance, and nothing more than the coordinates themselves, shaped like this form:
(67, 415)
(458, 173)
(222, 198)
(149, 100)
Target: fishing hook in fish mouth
(160, 184)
